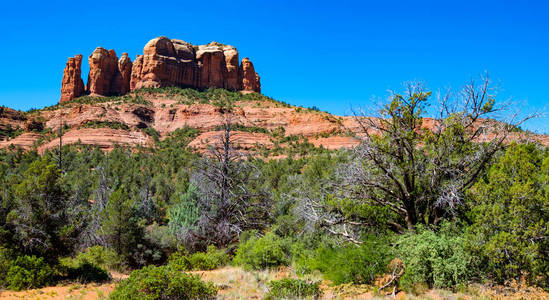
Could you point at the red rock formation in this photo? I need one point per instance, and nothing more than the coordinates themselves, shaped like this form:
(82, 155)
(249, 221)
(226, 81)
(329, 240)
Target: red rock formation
(248, 76)
(72, 85)
(211, 62)
(165, 63)
(121, 81)
(183, 50)
(137, 67)
(103, 68)
(232, 81)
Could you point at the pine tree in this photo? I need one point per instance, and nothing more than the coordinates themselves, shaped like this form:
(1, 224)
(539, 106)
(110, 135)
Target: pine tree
(120, 225)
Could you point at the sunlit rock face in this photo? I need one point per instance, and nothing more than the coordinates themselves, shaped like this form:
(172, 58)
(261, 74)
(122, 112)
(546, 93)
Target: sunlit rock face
(164, 62)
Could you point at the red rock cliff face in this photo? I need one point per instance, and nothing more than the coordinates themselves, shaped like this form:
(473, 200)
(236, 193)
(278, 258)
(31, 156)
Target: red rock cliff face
(121, 81)
(103, 69)
(248, 77)
(72, 85)
(164, 63)
(232, 80)
(211, 62)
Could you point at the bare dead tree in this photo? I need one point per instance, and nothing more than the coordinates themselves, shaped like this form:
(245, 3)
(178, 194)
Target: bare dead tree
(419, 168)
(61, 143)
(91, 235)
(227, 205)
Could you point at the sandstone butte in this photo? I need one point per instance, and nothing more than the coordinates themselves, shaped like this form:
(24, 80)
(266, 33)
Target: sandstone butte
(164, 63)
(167, 63)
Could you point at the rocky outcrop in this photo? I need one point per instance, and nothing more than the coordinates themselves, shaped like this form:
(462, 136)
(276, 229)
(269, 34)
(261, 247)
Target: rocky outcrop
(164, 63)
(103, 69)
(137, 67)
(232, 81)
(211, 63)
(121, 81)
(248, 77)
(72, 85)
(34, 125)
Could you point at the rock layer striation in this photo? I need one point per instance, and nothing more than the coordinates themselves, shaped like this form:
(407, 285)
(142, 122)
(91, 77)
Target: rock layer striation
(164, 63)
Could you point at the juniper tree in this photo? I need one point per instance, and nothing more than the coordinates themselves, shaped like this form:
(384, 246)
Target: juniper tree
(42, 219)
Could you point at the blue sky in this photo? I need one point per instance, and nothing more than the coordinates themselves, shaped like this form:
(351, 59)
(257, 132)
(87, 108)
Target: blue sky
(331, 54)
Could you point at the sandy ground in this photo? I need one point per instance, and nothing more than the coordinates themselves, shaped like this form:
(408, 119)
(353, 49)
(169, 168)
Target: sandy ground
(71, 291)
(235, 283)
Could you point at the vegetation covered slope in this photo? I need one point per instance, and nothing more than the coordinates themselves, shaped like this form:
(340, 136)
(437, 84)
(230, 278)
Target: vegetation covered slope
(409, 208)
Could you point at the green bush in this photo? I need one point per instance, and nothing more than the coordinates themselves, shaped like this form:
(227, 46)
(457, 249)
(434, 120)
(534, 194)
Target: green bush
(5, 259)
(105, 124)
(209, 260)
(438, 259)
(87, 272)
(95, 255)
(289, 288)
(28, 272)
(163, 282)
(262, 253)
(350, 263)
(152, 133)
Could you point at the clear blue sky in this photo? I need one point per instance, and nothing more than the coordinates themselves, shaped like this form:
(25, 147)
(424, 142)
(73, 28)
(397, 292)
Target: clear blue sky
(332, 54)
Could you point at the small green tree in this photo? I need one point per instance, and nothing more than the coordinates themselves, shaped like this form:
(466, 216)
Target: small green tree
(120, 225)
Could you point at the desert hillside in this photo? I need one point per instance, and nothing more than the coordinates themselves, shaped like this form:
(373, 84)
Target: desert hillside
(143, 115)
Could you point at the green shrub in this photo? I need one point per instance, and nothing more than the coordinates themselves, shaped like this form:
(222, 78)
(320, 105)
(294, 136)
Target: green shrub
(262, 253)
(209, 260)
(5, 259)
(88, 272)
(28, 272)
(240, 127)
(163, 282)
(354, 264)
(289, 288)
(152, 133)
(105, 124)
(95, 255)
(438, 259)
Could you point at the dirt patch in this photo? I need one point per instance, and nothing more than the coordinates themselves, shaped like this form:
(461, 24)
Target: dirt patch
(71, 291)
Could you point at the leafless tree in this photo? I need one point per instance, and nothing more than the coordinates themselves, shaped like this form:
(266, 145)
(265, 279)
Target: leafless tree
(419, 168)
(91, 235)
(227, 204)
